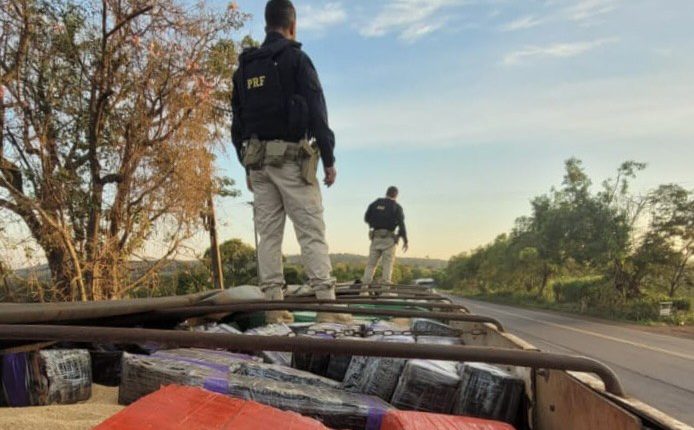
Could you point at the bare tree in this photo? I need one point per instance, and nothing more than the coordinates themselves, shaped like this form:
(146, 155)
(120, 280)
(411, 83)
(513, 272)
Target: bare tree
(110, 110)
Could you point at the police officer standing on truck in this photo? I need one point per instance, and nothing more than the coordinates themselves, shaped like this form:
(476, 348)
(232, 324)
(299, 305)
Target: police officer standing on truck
(280, 131)
(384, 216)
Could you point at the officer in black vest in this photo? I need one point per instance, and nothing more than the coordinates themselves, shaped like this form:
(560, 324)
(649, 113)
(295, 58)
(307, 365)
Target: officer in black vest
(384, 217)
(280, 131)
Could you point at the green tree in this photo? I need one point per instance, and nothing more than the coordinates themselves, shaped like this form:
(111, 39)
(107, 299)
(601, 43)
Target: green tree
(238, 262)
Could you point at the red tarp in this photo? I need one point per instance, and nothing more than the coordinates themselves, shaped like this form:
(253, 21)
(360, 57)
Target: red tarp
(404, 420)
(185, 408)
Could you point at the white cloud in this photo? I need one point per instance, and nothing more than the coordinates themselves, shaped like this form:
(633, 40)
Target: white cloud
(556, 50)
(319, 18)
(587, 9)
(412, 19)
(522, 23)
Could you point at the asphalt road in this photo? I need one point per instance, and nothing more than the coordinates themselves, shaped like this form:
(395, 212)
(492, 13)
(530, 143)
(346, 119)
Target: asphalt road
(657, 369)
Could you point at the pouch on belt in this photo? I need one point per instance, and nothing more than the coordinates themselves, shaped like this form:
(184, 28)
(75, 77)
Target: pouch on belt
(274, 152)
(308, 160)
(254, 154)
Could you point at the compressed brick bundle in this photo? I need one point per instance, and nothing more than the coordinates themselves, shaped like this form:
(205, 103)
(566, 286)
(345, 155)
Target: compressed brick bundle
(335, 408)
(376, 376)
(488, 392)
(142, 375)
(218, 328)
(408, 420)
(439, 340)
(427, 385)
(319, 363)
(423, 326)
(182, 408)
(274, 357)
(276, 372)
(58, 376)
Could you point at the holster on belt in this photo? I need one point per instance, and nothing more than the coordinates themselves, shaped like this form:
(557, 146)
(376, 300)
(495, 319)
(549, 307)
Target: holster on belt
(382, 234)
(254, 154)
(308, 160)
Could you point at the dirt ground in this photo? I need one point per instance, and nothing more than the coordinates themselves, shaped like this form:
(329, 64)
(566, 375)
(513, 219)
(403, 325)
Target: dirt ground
(82, 416)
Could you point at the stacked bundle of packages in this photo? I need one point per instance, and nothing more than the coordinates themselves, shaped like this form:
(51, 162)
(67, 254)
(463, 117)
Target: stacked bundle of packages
(335, 408)
(423, 326)
(47, 377)
(142, 375)
(339, 364)
(279, 373)
(488, 392)
(376, 376)
(106, 364)
(175, 407)
(439, 340)
(407, 420)
(427, 385)
(274, 357)
(320, 363)
(218, 328)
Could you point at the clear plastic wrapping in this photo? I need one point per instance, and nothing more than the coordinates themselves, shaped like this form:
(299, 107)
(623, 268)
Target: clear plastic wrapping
(59, 376)
(142, 375)
(280, 373)
(205, 357)
(320, 363)
(376, 376)
(423, 326)
(427, 385)
(274, 357)
(218, 328)
(335, 408)
(439, 340)
(488, 392)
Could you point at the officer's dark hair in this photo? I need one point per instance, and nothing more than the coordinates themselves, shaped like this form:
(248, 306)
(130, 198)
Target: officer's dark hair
(392, 192)
(279, 14)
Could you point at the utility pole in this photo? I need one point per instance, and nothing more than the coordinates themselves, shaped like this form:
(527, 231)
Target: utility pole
(216, 258)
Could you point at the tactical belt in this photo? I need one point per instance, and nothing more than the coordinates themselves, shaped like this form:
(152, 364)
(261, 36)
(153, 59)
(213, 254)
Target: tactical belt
(382, 233)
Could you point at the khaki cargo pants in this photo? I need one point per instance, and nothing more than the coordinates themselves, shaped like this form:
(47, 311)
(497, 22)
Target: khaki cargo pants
(383, 247)
(279, 192)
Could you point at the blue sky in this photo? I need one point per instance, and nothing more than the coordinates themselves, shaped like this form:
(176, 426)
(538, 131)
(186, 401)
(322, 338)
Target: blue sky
(471, 106)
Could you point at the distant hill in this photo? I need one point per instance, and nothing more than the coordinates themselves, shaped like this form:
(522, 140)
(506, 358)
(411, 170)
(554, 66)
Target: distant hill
(43, 274)
(431, 263)
(138, 267)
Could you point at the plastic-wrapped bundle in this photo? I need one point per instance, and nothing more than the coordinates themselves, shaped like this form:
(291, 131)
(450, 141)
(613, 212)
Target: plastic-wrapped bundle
(376, 376)
(383, 327)
(408, 420)
(439, 340)
(319, 363)
(276, 372)
(106, 364)
(274, 357)
(205, 357)
(142, 375)
(176, 408)
(488, 392)
(335, 408)
(423, 326)
(46, 377)
(218, 328)
(427, 385)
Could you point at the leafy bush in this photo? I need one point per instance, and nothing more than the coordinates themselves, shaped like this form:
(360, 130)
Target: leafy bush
(582, 290)
(683, 304)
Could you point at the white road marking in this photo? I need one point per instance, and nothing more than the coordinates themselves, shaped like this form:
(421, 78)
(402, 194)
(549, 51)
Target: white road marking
(592, 333)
